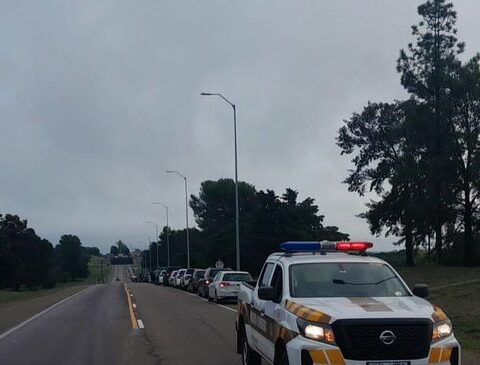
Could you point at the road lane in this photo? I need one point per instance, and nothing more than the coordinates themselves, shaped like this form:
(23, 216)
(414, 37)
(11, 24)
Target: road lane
(184, 329)
(91, 328)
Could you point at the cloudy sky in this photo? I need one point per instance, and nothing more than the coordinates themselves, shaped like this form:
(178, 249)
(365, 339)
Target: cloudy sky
(99, 98)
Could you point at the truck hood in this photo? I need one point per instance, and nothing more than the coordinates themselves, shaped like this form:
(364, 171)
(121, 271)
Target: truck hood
(369, 307)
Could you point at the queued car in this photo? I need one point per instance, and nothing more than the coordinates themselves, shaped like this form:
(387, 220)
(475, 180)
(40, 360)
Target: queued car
(203, 283)
(167, 273)
(186, 279)
(172, 277)
(178, 278)
(193, 284)
(226, 285)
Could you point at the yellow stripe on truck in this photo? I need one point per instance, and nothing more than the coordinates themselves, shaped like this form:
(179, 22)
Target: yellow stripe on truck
(434, 355)
(335, 357)
(446, 353)
(307, 313)
(318, 357)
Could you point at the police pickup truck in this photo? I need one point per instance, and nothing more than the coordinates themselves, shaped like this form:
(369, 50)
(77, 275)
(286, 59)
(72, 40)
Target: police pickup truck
(318, 303)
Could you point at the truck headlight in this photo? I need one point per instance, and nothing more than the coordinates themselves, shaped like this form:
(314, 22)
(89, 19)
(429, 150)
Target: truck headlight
(316, 331)
(441, 330)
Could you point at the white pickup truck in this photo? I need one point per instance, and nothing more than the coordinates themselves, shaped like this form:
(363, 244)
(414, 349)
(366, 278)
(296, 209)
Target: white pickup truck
(315, 303)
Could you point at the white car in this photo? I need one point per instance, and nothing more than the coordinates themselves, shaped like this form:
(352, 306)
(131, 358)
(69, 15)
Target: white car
(177, 282)
(226, 285)
(171, 278)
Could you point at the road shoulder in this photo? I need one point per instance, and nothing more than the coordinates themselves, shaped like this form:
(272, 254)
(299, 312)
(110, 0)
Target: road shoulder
(14, 313)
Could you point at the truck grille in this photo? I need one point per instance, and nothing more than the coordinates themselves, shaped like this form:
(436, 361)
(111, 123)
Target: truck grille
(360, 339)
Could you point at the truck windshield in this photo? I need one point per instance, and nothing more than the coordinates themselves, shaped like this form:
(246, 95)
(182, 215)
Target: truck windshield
(336, 279)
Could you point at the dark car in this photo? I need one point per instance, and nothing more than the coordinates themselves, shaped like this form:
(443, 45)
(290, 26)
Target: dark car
(198, 274)
(168, 272)
(207, 279)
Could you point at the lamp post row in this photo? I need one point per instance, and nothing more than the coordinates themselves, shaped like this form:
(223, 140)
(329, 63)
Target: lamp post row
(237, 211)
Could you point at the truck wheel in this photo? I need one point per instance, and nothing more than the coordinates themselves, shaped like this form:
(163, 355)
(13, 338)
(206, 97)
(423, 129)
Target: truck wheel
(283, 359)
(249, 357)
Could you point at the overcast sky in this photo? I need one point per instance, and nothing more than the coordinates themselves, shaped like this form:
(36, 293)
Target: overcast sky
(99, 98)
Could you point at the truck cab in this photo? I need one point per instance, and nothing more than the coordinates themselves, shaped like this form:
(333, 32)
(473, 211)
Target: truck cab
(317, 303)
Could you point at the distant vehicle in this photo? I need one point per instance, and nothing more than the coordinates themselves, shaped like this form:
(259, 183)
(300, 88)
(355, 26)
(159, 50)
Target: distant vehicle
(159, 280)
(207, 279)
(171, 278)
(331, 306)
(226, 285)
(193, 284)
(166, 275)
(117, 279)
(187, 278)
(178, 279)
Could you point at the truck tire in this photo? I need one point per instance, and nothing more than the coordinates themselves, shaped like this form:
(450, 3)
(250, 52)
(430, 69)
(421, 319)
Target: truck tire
(249, 356)
(283, 358)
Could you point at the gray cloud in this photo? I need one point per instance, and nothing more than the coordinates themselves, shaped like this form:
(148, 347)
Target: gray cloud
(98, 99)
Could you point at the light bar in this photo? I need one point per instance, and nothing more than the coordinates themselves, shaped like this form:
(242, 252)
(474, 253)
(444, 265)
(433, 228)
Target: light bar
(300, 246)
(353, 246)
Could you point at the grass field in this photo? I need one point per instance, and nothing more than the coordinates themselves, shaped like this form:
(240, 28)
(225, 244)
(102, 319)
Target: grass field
(94, 267)
(461, 302)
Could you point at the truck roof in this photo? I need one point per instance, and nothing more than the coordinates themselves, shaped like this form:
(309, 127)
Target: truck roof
(309, 257)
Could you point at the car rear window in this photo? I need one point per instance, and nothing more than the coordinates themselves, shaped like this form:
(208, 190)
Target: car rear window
(190, 271)
(237, 277)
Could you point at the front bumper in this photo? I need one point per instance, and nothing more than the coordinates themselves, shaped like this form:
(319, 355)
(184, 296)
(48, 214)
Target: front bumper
(302, 351)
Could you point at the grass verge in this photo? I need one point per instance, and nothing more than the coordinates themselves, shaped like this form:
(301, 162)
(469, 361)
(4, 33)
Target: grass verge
(94, 277)
(461, 302)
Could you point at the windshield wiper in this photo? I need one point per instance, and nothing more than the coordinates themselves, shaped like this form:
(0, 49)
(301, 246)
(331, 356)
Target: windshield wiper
(343, 282)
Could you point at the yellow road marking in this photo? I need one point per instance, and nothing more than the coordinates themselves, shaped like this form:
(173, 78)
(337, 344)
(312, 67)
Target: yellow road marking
(130, 309)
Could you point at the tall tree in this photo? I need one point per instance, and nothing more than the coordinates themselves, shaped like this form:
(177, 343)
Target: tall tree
(71, 257)
(385, 162)
(427, 70)
(466, 150)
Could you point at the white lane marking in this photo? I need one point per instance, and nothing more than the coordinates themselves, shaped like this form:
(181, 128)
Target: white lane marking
(206, 300)
(134, 305)
(140, 323)
(24, 323)
(228, 308)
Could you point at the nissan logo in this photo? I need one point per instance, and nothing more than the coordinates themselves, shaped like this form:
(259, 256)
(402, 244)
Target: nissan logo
(387, 337)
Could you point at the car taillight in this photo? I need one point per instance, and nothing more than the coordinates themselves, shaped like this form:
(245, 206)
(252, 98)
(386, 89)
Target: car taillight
(223, 284)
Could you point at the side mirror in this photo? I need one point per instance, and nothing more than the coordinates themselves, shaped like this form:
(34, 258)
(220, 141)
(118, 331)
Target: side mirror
(266, 293)
(420, 290)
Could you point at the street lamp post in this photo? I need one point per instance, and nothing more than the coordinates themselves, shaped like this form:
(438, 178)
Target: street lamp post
(168, 232)
(237, 214)
(156, 239)
(186, 212)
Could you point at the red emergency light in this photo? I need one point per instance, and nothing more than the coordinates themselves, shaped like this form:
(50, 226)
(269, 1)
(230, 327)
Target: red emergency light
(353, 246)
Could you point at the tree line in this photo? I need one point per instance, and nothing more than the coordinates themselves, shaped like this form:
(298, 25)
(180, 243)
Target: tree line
(27, 260)
(266, 220)
(421, 155)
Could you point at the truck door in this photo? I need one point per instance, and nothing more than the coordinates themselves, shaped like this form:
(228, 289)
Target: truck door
(257, 313)
(273, 313)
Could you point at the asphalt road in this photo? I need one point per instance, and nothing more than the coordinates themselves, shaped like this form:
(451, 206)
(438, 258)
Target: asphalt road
(184, 329)
(92, 327)
(161, 326)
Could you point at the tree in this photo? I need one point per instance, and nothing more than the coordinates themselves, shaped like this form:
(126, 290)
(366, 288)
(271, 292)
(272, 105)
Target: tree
(25, 258)
(72, 258)
(427, 71)
(122, 248)
(114, 250)
(466, 149)
(266, 220)
(386, 161)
